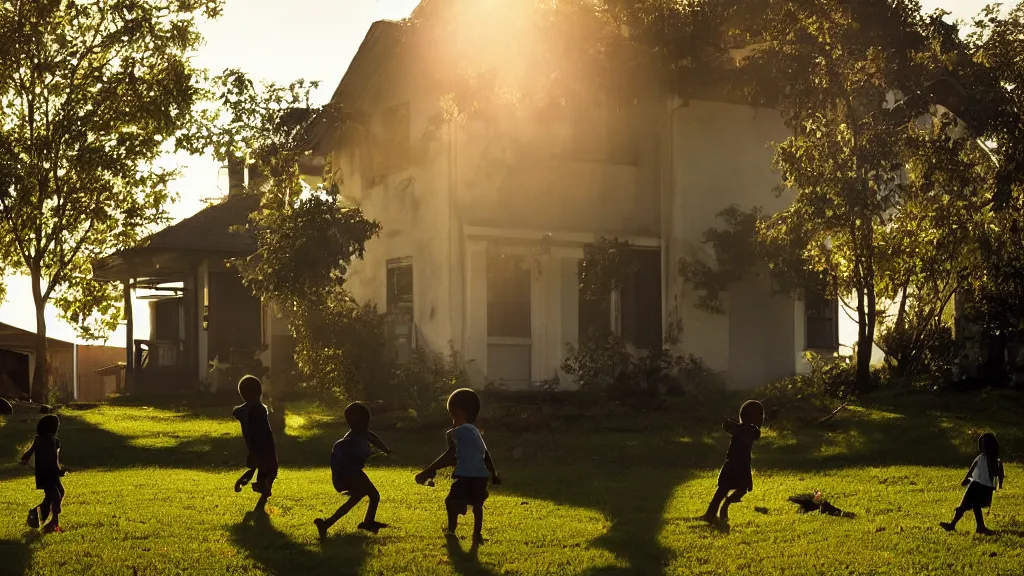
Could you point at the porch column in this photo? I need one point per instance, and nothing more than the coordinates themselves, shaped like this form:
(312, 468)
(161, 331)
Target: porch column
(129, 345)
(475, 354)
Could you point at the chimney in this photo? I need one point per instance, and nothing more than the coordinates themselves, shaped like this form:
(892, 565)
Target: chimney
(236, 175)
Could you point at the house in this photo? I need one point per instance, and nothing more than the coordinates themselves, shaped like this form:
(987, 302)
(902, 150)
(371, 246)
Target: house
(201, 315)
(485, 224)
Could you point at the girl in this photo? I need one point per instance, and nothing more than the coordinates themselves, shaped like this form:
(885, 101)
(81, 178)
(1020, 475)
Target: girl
(46, 449)
(981, 483)
(736, 479)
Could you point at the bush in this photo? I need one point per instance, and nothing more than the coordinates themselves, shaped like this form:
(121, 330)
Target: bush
(425, 381)
(605, 365)
(920, 353)
(830, 382)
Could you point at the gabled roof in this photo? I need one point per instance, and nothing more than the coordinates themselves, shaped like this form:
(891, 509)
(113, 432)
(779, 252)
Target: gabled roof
(207, 231)
(210, 228)
(375, 53)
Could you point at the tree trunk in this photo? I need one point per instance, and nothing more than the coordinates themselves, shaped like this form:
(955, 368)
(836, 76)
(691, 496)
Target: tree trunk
(865, 342)
(40, 381)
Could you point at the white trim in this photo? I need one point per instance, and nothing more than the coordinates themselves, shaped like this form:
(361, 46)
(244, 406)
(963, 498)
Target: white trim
(526, 235)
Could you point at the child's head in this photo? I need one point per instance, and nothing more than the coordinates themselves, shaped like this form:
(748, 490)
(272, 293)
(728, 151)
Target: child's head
(48, 425)
(752, 412)
(357, 415)
(250, 388)
(988, 445)
(464, 406)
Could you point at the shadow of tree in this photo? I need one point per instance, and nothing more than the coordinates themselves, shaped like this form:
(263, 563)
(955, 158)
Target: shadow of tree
(16, 557)
(279, 554)
(636, 476)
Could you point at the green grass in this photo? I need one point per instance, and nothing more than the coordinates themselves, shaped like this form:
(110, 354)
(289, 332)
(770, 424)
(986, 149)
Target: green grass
(150, 492)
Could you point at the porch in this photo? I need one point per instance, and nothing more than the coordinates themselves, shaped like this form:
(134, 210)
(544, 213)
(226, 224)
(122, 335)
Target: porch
(200, 312)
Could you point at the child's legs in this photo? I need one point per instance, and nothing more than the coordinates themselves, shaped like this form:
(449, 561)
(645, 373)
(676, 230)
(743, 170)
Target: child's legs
(979, 518)
(349, 504)
(371, 508)
(735, 496)
(478, 519)
(716, 501)
(55, 494)
(265, 476)
(246, 476)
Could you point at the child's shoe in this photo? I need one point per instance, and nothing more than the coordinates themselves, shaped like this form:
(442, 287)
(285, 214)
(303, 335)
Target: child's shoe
(321, 527)
(52, 528)
(478, 539)
(984, 531)
(372, 527)
(947, 526)
(33, 519)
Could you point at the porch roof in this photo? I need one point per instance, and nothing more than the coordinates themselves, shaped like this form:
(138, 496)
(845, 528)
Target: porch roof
(22, 341)
(169, 254)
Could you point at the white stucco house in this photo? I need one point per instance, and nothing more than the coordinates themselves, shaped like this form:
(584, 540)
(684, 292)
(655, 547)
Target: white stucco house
(485, 223)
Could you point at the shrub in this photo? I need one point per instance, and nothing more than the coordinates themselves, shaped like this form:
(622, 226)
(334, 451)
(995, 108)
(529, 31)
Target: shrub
(830, 382)
(605, 365)
(925, 353)
(425, 381)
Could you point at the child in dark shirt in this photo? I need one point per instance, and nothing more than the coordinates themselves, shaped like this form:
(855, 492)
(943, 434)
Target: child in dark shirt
(348, 458)
(984, 476)
(467, 452)
(259, 439)
(46, 449)
(736, 479)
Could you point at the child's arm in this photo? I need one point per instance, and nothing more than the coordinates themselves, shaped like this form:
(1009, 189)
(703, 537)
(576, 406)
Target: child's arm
(376, 441)
(967, 478)
(446, 460)
(495, 479)
(731, 427)
(1001, 474)
(25, 458)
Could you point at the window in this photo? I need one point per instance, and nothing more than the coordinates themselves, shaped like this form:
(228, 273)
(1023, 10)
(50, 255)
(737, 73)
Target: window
(508, 297)
(640, 299)
(637, 306)
(393, 140)
(400, 307)
(821, 319)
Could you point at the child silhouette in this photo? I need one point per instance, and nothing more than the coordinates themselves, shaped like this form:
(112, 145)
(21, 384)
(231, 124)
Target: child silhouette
(467, 452)
(46, 449)
(259, 439)
(981, 482)
(736, 479)
(348, 458)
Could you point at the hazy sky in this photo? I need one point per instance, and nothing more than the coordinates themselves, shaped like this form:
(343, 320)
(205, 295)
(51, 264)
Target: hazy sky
(278, 40)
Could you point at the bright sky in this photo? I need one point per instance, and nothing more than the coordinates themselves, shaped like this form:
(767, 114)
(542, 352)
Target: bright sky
(277, 40)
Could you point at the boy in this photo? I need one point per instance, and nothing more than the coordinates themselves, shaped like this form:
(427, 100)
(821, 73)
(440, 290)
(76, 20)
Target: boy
(259, 439)
(473, 466)
(735, 479)
(46, 448)
(348, 458)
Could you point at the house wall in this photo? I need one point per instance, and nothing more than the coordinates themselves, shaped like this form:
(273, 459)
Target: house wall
(412, 205)
(719, 155)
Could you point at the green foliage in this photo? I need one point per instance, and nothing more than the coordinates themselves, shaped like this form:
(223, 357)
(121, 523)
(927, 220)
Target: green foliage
(920, 350)
(811, 396)
(425, 380)
(604, 364)
(92, 94)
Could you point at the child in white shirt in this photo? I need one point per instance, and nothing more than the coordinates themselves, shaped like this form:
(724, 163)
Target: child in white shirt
(980, 481)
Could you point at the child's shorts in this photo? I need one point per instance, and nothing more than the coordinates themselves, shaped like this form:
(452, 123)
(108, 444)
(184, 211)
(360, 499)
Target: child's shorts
(467, 492)
(977, 495)
(353, 482)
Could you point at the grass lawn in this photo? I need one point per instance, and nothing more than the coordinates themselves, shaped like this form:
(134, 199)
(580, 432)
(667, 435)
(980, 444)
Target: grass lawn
(151, 493)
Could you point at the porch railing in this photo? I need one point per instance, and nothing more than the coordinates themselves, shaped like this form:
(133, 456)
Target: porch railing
(160, 355)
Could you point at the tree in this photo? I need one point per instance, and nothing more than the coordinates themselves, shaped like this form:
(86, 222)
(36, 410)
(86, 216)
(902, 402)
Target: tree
(92, 93)
(886, 207)
(305, 238)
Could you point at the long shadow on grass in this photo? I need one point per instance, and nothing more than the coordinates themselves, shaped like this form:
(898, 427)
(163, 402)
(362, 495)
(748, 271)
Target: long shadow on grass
(628, 477)
(279, 554)
(17, 557)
